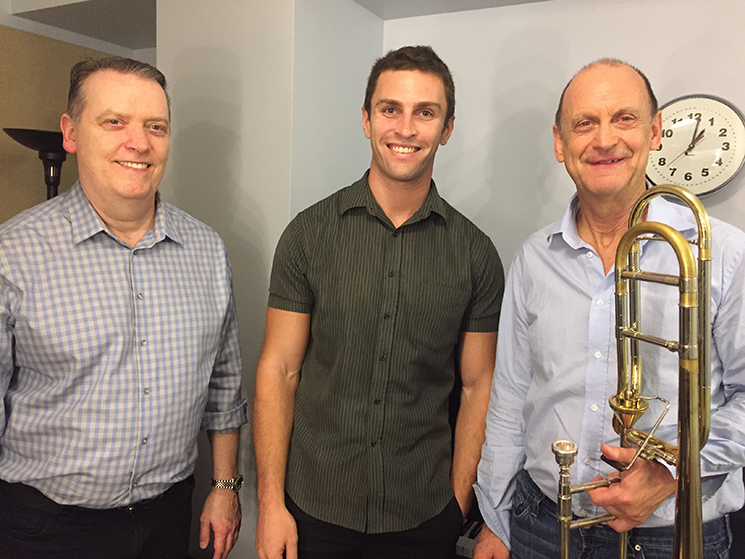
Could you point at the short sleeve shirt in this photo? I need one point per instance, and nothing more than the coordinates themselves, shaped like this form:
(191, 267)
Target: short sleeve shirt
(371, 443)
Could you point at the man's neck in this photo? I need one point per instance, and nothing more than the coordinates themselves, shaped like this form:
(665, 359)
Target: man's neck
(128, 220)
(398, 200)
(602, 221)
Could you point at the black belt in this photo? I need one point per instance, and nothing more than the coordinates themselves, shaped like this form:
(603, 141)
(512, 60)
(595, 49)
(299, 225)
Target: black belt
(31, 497)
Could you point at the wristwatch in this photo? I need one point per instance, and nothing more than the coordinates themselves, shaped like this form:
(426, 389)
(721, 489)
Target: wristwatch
(234, 484)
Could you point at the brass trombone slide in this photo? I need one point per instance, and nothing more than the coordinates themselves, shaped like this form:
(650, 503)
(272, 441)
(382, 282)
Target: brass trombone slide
(694, 388)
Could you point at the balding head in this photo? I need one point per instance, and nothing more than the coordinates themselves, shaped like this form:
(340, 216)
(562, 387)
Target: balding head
(613, 62)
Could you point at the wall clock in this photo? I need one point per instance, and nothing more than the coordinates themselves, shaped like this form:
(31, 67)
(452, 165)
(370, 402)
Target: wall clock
(703, 144)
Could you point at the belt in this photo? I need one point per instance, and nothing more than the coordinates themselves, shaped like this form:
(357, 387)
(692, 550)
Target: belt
(31, 497)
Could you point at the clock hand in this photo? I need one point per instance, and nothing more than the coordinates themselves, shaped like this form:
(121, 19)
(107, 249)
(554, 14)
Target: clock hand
(682, 153)
(695, 141)
(693, 138)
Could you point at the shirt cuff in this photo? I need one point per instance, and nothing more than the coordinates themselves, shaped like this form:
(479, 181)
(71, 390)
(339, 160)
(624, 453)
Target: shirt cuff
(225, 421)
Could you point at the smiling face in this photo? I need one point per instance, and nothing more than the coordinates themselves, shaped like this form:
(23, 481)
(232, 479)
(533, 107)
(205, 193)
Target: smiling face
(607, 131)
(121, 138)
(405, 127)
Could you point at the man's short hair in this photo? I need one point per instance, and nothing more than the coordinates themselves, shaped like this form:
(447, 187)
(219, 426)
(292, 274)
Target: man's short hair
(608, 62)
(421, 58)
(88, 66)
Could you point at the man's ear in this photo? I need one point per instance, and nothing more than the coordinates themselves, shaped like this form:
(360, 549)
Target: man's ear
(366, 123)
(447, 131)
(558, 145)
(67, 125)
(656, 131)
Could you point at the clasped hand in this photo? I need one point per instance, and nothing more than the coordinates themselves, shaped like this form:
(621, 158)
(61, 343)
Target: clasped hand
(641, 490)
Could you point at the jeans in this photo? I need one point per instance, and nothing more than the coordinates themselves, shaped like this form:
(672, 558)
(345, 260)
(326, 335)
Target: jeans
(33, 526)
(535, 533)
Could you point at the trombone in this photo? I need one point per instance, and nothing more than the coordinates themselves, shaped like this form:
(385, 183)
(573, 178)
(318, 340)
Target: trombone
(694, 390)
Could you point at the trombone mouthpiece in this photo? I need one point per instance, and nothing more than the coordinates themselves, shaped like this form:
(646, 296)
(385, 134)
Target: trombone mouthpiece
(564, 452)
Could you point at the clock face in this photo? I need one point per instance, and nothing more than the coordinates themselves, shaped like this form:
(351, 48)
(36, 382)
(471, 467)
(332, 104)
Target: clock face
(703, 144)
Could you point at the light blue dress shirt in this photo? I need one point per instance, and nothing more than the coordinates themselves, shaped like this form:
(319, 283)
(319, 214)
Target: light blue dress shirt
(556, 366)
(112, 358)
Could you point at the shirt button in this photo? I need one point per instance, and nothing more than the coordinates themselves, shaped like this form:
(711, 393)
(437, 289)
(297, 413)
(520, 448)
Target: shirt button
(598, 355)
(386, 316)
(589, 254)
(600, 303)
(144, 440)
(395, 233)
(143, 343)
(588, 460)
(146, 391)
(377, 401)
(638, 547)
(390, 274)
(382, 357)
(583, 513)
(373, 442)
(594, 407)
(139, 296)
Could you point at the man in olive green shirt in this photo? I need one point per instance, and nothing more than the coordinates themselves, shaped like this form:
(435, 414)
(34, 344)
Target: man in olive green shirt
(377, 292)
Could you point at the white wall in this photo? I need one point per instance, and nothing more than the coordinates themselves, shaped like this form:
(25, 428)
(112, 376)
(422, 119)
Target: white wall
(336, 43)
(510, 65)
(229, 66)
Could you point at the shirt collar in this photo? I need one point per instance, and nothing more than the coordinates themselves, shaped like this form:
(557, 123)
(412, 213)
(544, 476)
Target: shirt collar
(677, 216)
(86, 222)
(359, 195)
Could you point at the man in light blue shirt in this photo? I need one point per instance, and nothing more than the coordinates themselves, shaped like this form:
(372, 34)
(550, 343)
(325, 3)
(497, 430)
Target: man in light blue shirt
(556, 365)
(118, 342)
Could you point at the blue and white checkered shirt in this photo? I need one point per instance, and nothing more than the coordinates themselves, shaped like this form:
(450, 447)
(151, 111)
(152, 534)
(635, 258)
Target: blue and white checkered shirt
(112, 358)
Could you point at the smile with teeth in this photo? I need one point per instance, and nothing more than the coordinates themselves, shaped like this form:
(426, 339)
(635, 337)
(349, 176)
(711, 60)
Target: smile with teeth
(133, 164)
(403, 149)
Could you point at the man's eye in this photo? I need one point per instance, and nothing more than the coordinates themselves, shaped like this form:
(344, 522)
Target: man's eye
(114, 121)
(426, 113)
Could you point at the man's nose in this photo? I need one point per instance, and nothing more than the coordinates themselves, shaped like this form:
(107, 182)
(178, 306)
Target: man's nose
(406, 125)
(606, 135)
(137, 138)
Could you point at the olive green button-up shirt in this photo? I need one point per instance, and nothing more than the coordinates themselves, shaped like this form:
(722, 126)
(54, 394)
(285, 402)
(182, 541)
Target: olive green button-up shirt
(371, 444)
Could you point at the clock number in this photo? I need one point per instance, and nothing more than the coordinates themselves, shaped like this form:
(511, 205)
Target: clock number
(672, 170)
(718, 162)
(725, 146)
(661, 162)
(697, 116)
(667, 133)
(711, 121)
(722, 132)
(660, 148)
(705, 172)
(688, 176)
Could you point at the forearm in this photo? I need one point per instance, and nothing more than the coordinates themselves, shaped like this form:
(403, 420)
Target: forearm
(272, 425)
(224, 454)
(469, 438)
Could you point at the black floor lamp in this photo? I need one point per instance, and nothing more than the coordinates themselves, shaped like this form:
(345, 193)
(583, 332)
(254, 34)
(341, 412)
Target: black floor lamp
(51, 152)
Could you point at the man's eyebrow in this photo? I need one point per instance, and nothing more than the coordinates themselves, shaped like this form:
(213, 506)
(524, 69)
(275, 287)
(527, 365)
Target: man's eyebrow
(420, 105)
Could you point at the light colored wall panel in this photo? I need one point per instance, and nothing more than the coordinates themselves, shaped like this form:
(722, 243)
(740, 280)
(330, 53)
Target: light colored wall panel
(510, 65)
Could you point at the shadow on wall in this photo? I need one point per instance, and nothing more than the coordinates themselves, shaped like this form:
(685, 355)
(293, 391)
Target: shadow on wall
(206, 180)
(502, 154)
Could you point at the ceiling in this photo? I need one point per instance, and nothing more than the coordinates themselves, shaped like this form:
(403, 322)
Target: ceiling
(131, 23)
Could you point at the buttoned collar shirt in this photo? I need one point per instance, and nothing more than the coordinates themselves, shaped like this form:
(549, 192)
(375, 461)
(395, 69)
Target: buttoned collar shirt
(556, 366)
(112, 357)
(370, 447)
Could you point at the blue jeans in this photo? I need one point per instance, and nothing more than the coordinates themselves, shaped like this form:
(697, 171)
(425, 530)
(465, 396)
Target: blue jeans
(535, 533)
